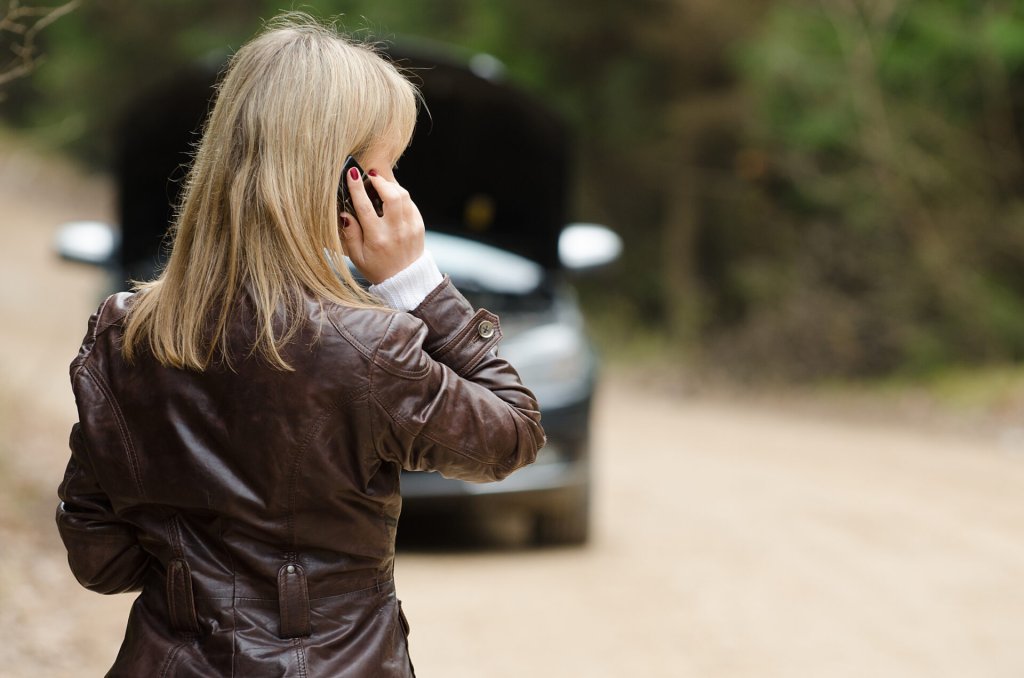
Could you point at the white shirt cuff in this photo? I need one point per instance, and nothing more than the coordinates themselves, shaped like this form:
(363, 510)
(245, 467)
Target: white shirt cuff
(407, 289)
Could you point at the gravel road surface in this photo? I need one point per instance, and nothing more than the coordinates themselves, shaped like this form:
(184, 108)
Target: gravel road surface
(733, 539)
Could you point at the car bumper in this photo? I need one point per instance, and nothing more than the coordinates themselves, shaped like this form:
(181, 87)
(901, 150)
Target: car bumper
(559, 478)
(548, 482)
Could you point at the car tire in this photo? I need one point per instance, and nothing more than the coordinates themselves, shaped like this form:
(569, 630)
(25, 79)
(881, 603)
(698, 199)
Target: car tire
(565, 526)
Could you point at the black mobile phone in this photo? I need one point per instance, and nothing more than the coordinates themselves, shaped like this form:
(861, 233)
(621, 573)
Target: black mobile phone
(345, 200)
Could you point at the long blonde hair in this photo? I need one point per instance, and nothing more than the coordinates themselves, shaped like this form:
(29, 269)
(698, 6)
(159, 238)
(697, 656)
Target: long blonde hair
(259, 207)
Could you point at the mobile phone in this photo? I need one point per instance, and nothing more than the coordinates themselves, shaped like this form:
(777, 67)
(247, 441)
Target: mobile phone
(345, 200)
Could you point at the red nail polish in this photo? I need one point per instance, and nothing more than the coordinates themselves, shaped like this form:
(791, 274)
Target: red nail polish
(354, 173)
(372, 173)
(344, 222)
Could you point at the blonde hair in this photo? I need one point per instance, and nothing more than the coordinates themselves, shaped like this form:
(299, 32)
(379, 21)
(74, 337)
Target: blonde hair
(260, 209)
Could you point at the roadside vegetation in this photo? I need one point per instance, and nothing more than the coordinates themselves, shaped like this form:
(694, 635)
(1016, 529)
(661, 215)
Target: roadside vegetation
(809, 191)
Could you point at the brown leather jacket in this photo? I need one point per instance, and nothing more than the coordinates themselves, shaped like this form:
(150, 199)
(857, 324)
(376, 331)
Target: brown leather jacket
(255, 509)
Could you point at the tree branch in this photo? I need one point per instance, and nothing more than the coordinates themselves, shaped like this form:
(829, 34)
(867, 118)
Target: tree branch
(24, 23)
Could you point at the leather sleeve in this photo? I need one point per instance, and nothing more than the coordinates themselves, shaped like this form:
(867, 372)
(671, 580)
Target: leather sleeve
(444, 401)
(103, 551)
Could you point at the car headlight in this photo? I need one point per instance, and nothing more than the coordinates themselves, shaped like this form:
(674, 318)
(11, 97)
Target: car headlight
(554, 361)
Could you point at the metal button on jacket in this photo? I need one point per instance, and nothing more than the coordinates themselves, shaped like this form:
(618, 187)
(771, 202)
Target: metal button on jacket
(485, 329)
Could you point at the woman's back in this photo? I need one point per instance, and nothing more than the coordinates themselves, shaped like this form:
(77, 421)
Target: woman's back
(244, 418)
(257, 508)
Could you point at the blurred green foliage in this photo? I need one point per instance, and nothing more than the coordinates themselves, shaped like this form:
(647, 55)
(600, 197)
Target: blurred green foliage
(807, 189)
(893, 132)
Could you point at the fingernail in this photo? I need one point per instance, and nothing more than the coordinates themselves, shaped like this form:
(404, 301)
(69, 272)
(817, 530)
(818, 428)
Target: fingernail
(344, 222)
(372, 173)
(354, 173)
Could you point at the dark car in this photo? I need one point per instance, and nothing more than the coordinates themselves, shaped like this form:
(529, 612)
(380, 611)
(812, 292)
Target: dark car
(488, 168)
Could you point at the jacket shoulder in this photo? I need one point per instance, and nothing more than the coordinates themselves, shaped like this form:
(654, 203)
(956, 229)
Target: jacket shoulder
(110, 313)
(384, 336)
(364, 328)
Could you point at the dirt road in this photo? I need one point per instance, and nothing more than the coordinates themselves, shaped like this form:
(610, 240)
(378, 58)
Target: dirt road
(732, 540)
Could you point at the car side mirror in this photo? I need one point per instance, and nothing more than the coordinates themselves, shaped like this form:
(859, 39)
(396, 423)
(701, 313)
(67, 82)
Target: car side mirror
(584, 247)
(88, 242)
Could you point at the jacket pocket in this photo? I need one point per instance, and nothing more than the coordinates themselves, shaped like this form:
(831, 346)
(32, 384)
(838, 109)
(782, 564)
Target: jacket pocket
(181, 605)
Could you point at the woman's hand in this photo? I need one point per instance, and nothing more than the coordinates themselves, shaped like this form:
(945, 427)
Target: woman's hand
(381, 246)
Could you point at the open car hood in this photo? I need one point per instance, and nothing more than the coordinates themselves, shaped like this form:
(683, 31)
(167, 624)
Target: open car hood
(481, 267)
(487, 161)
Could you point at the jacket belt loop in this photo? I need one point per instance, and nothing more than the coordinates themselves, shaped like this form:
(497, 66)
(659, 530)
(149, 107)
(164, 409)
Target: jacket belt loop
(180, 601)
(293, 599)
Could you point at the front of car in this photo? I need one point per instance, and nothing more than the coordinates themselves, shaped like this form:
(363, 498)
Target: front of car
(488, 169)
(544, 339)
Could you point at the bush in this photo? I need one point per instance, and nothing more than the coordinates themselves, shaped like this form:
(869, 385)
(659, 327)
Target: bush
(894, 171)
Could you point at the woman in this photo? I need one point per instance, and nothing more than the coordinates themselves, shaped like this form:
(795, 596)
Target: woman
(244, 418)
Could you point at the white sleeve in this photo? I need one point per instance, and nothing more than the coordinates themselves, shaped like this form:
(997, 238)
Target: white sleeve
(407, 289)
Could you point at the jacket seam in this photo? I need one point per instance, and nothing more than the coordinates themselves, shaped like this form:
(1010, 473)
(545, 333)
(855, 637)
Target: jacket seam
(374, 437)
(234, 612)
(370, 370)
(300, 453)
(390, 367)
(475, 361)
(458, 336)
(347, 334)
(122, 427)
(170, 658)
(98, 329)
(99, 315)
(300, 656)
(401, 423)
(293, 473)
(173, 527)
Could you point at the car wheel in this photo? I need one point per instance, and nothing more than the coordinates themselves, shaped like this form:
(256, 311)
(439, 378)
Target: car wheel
(563, 526)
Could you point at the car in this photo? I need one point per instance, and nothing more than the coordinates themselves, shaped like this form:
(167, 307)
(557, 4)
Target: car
(489, 169)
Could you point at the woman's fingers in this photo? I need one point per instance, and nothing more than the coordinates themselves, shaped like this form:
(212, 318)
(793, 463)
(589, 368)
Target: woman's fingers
(383, 245)
(360, 200)
(351, 235)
